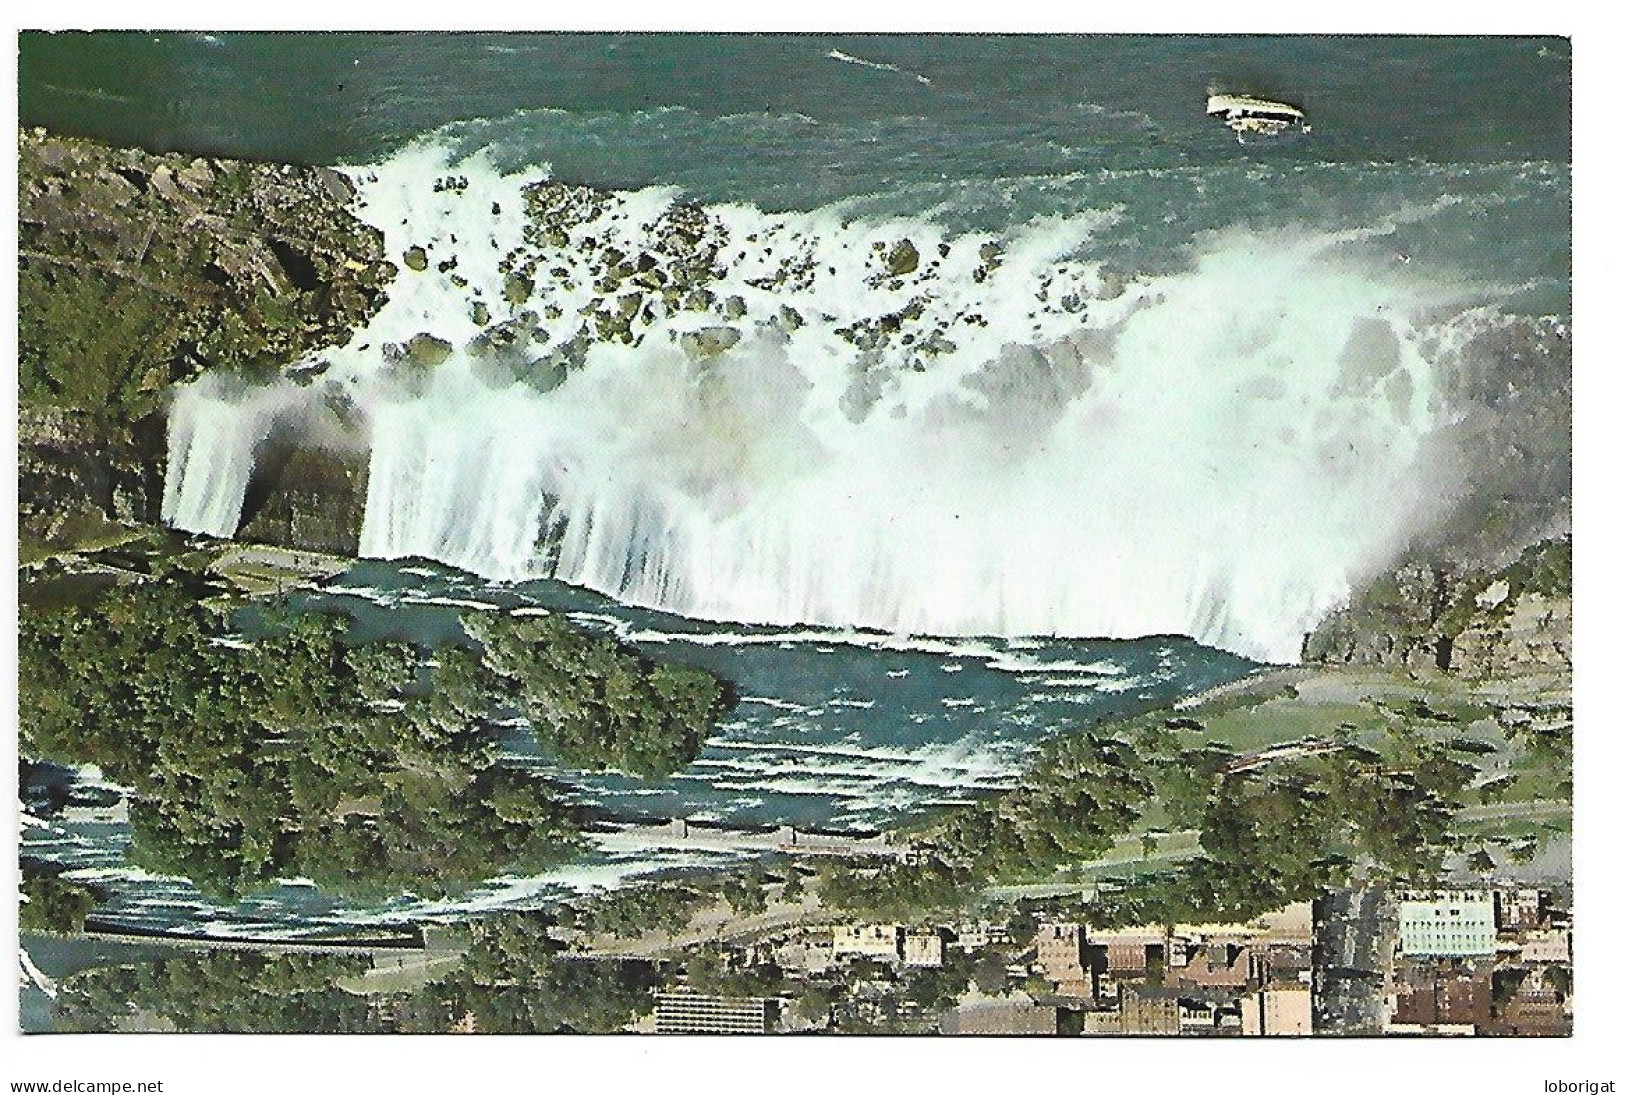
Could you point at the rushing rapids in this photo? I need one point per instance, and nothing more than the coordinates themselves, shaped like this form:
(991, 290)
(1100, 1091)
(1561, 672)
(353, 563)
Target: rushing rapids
(799, 418)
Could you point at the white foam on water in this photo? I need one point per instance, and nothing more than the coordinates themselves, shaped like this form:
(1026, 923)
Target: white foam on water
(1219, 452)
(215, 426)
(776, 704)
(879, 66)
(32, 973)
(450, 602)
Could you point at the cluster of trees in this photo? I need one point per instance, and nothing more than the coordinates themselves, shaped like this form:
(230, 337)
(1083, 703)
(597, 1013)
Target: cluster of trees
(1270, 833)
(1546, 738)
(934, 990)
(1080, 795)
(294, 754)
(711, 971)
(635, 910)
(514, 980)
(221, 992)
(874, 998)
(1287, 830)
(670, 904)
(898, 891)
(369, 768)
(90, 340)
(1083, 792)
(50, 904)
(595, 703)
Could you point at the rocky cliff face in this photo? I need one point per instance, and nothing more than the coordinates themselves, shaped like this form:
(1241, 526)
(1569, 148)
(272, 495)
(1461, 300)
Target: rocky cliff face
(137, 271)
(1509, 621)
(306, 498)
(1528, 633)
(77, 481)
(1391, 623)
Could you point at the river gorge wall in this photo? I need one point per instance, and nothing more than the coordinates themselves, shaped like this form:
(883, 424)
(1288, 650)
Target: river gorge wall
(138, 271)
(1480, 622)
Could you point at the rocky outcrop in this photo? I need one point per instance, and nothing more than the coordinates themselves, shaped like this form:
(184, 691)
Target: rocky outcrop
(1531, 633)
(1391, 622)
(674, 271)
(306, 498)
(412, 362)
(1477, 623)
(180, 264)
(137, 271)
(566, 247)
(76, 480)
(902, 258)
(709, 341)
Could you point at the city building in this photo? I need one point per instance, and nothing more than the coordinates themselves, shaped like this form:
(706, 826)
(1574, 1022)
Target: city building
(1199, 1017)
(1439, 998)
(1063, 958)
(974, 935)
(1128, 954)
(1519, 910)
(922, 948)
(879, 941)
(1214, 966)
(1536, 1009)
(1547, 945)
(1282, 1010)
(996, 1015)
(1294, 923)
(1447, 923)
(691, 1013)
(1142, 1010)
(1059, 946)
(813, 952)
(1284, 962)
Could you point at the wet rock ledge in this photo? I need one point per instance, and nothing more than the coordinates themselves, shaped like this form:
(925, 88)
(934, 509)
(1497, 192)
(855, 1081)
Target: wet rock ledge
(137, 271)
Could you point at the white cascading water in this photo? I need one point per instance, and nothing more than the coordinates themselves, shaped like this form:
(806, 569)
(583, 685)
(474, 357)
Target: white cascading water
(1218, 453)
(215, 425)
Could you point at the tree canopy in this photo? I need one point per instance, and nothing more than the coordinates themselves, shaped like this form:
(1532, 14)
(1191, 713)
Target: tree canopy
(595, 703)
(292, 754)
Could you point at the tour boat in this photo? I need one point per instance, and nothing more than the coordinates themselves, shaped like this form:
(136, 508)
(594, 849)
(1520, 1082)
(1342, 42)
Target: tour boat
(1250, 116)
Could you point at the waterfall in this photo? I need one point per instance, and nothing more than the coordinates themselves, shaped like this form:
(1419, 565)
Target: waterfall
(215, 425)
(872, 424)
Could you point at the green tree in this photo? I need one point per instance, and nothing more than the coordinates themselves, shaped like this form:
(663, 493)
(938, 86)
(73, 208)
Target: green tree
(595, 703)
(49, 904)
(744, 891)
